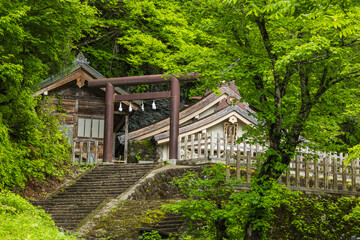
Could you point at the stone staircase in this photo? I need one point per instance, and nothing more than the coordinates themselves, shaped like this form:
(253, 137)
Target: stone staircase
(72, 204)
(171, 224)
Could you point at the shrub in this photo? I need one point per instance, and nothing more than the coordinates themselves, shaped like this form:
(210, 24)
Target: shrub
(20, 220)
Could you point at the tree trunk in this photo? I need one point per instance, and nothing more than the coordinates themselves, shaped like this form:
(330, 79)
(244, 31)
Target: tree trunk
(270, 171)
(250, 234)
(220, 229)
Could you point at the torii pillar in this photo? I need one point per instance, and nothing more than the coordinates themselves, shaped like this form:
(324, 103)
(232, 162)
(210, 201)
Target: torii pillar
(110, 98)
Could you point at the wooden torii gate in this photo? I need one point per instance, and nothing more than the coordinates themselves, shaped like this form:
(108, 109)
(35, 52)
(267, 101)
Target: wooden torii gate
(110, 98)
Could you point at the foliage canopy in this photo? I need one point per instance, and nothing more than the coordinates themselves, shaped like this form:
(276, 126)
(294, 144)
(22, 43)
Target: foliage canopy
(215, 211)
(35, 40)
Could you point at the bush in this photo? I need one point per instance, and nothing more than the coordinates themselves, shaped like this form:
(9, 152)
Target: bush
(214, 210)
(35, 149)
(20, 220)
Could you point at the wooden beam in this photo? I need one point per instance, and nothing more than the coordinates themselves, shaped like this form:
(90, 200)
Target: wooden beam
(142, 96)
(79, 73)
(139, 80)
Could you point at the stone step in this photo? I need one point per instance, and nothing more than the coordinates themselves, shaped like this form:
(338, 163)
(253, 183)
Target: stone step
(101, 189)
(105, 182)
(171, 222)
(88, 195)
(67, 217)
(61, 202)
(114, 170)
(168, 230)
(165, 226)
(126, 166)
(71, 211)
(106, 178)
(96, 181)
(119, 171)
(75, 202)
(100, 185)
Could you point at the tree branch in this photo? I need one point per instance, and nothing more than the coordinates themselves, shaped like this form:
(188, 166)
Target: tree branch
(283, 85)
(266, 40)
(327, 85)
(306, 103)
(112, 33)
(259, 85)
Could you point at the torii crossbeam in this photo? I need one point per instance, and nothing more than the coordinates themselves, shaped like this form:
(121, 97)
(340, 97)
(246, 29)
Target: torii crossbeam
(110, 98)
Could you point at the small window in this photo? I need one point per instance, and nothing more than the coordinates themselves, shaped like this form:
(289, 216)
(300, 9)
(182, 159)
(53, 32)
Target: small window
(93, 128)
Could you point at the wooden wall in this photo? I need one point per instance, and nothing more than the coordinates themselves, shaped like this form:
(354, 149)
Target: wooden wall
(78, 102)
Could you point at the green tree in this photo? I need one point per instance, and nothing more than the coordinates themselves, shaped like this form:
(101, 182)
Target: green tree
(206, 207)
(35, 40)
(290, 59)
(215, 211)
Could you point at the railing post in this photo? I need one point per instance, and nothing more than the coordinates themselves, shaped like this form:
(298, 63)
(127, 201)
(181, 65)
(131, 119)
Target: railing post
(297, 171)
(212, 145)
(238, 162)
(87, 153)
(307, 174)
(248, 166)
(218, 146)
(287, 177)
(227, 154)
(326, 173)
(316, 174)
(206, 153)
(179, 148)
(225, 146)
(96, 151)
(73, 152)
(192, 147)
(81, 152)
(353, 176)
(186, 147)
(343, 173)
(199, 145)
(335, 173)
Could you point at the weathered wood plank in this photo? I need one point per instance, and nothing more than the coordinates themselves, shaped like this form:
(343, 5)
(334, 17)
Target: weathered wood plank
(199, 145)
(297, 170)
(96, 151)
(88, 154)
(343, 172)
(192, 146)
(179, 148)
(238, 162)
(335, 172)
(81, 152)
(206, 153)
(353, 177)
(186, 148)
(212, 145)
(316, 174)
(248, 166)
(218, 145)
(326, 160)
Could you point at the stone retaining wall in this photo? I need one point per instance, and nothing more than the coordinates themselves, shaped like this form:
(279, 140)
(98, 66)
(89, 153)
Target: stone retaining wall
(160, 186)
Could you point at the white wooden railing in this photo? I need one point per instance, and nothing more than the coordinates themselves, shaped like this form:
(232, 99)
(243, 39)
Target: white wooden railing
(308, 171)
